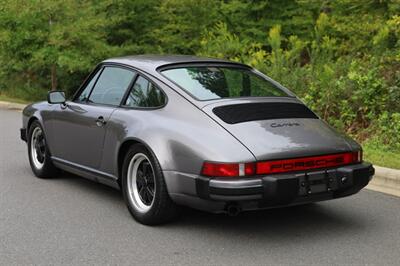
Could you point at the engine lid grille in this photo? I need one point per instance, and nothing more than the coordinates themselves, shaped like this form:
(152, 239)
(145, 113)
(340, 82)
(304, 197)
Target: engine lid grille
(238, 113)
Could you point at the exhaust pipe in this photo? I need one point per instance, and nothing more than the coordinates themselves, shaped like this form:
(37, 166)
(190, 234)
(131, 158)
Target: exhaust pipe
(233, 209)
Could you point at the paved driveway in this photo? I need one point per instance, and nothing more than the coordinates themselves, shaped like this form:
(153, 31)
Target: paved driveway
(69, 220)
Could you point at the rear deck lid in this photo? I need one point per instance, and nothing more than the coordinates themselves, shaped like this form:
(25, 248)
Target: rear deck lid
(276, 128)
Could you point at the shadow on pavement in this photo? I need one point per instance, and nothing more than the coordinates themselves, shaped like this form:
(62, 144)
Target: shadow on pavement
(316, 220)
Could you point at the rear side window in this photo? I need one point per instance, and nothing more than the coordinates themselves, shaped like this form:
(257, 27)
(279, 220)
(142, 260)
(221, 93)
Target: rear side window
(145, 94)
(215, 82)
(111, 86)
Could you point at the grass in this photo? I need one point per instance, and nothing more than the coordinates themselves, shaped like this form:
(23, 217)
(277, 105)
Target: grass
(6, 98)
(22, 95)
(382, 158)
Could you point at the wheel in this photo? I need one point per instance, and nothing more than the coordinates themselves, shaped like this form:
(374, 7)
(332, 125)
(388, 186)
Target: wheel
(144, 189)
(39, 156)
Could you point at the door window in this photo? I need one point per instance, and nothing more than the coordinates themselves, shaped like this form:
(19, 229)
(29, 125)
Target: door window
(86, 91)
(111, 86)
(145, 94)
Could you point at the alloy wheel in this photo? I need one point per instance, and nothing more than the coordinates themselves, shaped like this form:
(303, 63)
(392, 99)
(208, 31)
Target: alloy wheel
(141, 182)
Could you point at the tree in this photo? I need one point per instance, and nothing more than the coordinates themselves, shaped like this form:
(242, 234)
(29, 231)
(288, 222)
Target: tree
(130, 24)
(50, 38)
(181, 24)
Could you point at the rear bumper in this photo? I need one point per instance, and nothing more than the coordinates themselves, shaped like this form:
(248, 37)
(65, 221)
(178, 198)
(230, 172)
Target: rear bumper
(213, 194)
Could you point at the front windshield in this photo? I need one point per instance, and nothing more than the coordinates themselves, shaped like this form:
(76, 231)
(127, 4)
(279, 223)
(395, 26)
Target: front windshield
(208, 83)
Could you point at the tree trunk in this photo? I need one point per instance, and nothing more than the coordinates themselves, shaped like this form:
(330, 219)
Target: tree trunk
(53, 66)
(53, 77)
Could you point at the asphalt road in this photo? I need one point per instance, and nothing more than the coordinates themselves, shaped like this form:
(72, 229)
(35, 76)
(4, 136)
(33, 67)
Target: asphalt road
(69, 220)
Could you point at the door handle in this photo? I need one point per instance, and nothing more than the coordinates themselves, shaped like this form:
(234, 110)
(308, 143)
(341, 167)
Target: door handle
(100, 121)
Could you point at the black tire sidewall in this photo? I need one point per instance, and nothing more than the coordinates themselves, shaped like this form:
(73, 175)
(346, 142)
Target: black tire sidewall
(155, 214)
(48, 168)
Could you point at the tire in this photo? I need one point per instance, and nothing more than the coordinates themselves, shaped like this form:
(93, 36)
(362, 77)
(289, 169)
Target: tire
(144, 189)
(38, 152)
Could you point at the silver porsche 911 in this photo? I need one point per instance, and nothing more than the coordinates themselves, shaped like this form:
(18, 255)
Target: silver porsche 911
(181, 130)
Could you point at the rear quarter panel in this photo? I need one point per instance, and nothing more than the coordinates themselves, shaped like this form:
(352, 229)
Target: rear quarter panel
(180, 135)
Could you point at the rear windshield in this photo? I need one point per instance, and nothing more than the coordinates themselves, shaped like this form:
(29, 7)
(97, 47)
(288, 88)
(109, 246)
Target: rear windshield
(208, 83)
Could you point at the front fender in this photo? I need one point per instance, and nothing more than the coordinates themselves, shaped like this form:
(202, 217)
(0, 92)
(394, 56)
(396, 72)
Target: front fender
(41, 112)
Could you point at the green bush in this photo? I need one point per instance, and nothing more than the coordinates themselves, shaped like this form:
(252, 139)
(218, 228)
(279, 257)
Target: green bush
(356, 93)
(386, 135)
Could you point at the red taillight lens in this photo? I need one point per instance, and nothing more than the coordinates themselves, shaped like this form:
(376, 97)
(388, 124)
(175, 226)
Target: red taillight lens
(249, 169)
(220, 169)
(228, 169)
(280, 166)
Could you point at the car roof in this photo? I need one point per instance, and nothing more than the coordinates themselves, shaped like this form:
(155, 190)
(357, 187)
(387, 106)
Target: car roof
(151, 63)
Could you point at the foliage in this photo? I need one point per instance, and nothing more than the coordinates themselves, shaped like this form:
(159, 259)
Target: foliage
(341, 57)
(47, 38)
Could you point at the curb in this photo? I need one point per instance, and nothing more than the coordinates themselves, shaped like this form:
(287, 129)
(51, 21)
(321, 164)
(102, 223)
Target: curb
(386, 180)
(12, 106)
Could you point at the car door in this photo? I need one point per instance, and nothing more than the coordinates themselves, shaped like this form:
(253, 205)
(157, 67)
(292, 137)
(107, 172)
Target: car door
(79, 127)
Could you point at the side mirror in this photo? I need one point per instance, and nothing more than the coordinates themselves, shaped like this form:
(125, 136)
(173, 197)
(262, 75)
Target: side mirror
(55, 97)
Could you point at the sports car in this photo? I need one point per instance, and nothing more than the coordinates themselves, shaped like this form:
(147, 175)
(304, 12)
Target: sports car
(210, 134)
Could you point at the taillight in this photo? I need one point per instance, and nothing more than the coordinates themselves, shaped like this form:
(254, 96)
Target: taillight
(228, 169)
(280, 166)
(220, 169)
(357, 157)
(249, 169)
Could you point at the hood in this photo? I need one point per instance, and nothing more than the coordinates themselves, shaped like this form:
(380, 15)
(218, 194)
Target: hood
(277, 128)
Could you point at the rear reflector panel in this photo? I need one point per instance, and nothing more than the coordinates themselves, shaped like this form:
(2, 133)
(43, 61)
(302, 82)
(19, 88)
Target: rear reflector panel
(302, 164)
(212, 169)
